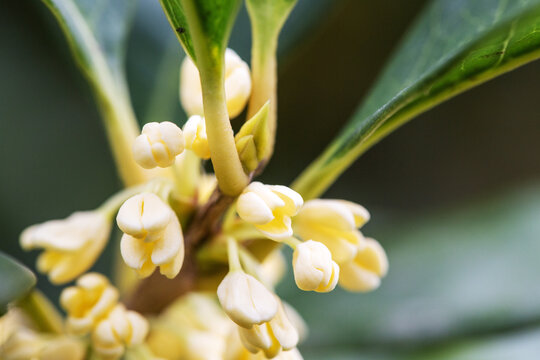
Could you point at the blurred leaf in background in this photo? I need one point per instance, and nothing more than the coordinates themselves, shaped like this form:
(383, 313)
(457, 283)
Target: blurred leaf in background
(454, 274)
(16, 282)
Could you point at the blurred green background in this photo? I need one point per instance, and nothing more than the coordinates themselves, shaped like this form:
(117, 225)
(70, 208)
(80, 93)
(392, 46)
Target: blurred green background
(454, 195)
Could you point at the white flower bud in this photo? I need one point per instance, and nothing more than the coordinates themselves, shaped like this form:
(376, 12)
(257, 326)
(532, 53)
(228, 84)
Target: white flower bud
(195, 137)
(144, 216)
(71, 245)
(153, 236)
(119, 329)
(237, 85)
(269, 208)
(270, 337)
(364, 272)
(313, 267)
(246, 300)
(158, 145)
(88, 302)
(333, 223)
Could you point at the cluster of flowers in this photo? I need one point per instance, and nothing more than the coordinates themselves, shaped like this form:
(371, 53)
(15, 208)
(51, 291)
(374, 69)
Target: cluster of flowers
(328, 249)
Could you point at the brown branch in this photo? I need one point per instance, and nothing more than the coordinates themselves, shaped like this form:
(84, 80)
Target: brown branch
(154, 293)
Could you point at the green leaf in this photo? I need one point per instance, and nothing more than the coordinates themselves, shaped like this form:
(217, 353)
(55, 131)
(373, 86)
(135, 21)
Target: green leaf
(15, 281)
(268, 16)
(96, 31)
(522, 344)
(210, 24)
(452, 274)
(454, 45)
(177, 19)
(519, 344)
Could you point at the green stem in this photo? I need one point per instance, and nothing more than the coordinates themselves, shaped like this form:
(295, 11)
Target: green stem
(187, 173)
(232, 253)
(122, 129)
(42, 313)
(264, 79)
(210, 60)
(292, 242)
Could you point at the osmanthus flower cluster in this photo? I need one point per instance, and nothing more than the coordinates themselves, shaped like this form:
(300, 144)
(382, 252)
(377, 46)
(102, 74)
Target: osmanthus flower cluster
(199, 253)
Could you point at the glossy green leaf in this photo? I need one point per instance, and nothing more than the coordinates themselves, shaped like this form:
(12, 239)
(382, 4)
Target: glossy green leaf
(451, 274)
(15, 281)
(454, 45)
(177, 19)
(96, 31)
(210, 22)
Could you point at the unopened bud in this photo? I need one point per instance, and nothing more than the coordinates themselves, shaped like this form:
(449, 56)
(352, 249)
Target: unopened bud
(270, 337)
(313, 267)
(88, 302)
(333, 223)
(364, 272)
(153, 236)
(196, 138)
(158, 145)
(269, 208)
(246, 300)
(121, 328)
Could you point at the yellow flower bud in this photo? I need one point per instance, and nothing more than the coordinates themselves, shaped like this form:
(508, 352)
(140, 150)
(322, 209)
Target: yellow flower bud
(246, 300)
(269, 208)
(270, 337)
(193, 327)
(153, 236)
(71, 245)
(203, 345)
(195, 137)
(237, 85)
(313, 267)
(158, 145)
(119, 329)
(24, 344)
(206, 186)
(63, 348)
(364, 272)
(333, 223)
(88, 302)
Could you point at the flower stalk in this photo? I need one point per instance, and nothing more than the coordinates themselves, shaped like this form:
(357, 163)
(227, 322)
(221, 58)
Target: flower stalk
(42, 313)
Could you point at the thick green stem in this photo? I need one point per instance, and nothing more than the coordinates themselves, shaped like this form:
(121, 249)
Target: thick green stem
(227, 166)
(210, 59)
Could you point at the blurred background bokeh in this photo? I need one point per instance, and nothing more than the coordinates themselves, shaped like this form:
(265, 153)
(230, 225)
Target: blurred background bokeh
(454, 195)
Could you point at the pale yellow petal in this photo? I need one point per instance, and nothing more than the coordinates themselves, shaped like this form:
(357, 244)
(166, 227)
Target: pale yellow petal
(252, 208)
(170, 244)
